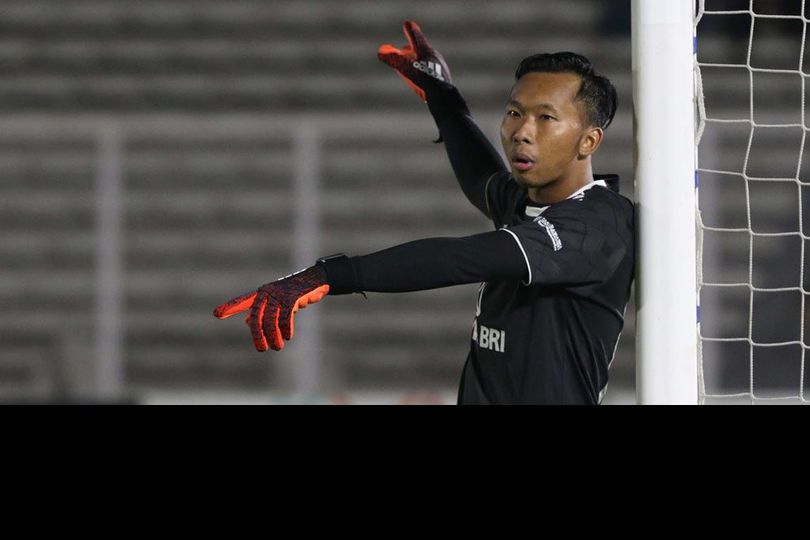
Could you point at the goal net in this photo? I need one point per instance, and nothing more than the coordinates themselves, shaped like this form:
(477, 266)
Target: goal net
(751, 183)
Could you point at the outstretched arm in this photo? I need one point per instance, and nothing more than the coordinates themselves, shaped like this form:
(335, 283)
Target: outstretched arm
(574, 245)
(473, 158)
(420, 265)
(430, 263)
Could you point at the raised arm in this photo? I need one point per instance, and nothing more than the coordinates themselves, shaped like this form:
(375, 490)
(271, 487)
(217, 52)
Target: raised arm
(473, 158)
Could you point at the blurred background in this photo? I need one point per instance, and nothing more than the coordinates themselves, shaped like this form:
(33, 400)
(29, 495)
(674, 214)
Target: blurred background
(754, 65)
(159, 157)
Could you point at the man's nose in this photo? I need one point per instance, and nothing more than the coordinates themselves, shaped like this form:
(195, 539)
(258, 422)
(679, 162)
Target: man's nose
(523, 133)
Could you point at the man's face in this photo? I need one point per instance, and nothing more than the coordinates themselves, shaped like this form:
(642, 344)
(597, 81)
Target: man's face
(542, 127)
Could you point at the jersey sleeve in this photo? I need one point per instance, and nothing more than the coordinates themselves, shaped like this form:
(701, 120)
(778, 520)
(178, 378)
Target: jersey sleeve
(572, 244)
(501, 193)
(473, 158)
(429, 263)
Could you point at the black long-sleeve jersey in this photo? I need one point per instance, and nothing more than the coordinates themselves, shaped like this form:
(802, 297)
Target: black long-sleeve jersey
(551, 337)
(556, 279)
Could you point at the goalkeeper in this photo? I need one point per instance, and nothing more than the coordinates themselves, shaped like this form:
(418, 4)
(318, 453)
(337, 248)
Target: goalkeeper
(555, 272)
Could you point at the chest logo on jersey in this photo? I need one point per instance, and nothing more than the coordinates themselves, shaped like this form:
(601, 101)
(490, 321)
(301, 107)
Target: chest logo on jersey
(489, 338)
(552, 232)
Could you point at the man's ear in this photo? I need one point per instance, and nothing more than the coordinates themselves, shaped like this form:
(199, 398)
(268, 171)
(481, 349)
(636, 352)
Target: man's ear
(590, 141)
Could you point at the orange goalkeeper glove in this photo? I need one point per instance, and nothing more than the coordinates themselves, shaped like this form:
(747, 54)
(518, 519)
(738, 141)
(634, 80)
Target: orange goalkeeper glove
(273, 306)
(418, 62)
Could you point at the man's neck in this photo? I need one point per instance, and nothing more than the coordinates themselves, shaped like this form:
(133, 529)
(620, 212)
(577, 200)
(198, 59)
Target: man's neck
(558, 190)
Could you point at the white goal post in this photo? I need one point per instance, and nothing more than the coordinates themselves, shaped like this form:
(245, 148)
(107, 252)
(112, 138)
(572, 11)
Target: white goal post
(666, 270)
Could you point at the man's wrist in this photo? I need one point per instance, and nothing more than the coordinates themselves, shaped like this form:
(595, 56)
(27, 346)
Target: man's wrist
(444, 97)
(340, 273)
(446, 104)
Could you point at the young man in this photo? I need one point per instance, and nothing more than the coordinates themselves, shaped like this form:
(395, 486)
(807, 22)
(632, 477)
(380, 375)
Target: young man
(557, 270)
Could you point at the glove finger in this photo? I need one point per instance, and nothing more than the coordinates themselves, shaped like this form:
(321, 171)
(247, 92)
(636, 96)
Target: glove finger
(387, 49)
(235, 305)
(416, 38)
(270, 325)
(396, 58)
(254, 321)
(286, 321)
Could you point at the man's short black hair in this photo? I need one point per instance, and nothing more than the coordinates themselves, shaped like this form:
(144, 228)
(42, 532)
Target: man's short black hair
(596, 91)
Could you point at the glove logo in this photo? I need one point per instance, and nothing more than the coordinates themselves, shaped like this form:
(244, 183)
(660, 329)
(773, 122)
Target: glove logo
(434, 69)
(415, 60)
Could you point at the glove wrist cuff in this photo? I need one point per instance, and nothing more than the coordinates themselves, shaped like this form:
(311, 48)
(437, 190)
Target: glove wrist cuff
(339, 274)
(445, 105)
(445, 99)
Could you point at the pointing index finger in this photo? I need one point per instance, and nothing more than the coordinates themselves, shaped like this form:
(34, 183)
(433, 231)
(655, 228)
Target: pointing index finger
(235, 305)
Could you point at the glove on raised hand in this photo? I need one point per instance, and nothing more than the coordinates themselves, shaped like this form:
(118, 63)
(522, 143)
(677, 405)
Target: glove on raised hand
(418, 63)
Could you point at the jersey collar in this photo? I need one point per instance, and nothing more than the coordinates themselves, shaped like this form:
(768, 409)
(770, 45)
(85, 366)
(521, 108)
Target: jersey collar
(534, 211)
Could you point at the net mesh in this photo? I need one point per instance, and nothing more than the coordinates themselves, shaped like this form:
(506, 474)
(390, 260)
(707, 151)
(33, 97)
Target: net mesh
(753, 179)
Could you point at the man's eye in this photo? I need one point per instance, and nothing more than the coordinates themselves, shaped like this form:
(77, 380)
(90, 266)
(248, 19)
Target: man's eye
(512, 113)
(546, 117)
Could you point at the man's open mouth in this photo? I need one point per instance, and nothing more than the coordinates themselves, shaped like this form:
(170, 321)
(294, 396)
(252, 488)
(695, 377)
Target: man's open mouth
(522, 162)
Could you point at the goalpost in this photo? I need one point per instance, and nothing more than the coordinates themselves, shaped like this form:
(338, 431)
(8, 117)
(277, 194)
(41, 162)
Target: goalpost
(719, 97)
(664, 123)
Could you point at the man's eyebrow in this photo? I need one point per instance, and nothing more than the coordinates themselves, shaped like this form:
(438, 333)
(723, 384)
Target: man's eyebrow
(548, 106)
